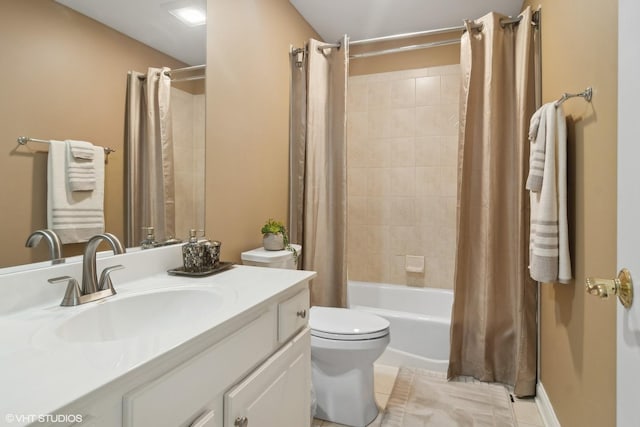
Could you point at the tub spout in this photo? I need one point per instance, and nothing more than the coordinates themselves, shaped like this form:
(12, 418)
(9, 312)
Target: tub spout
(55, 246)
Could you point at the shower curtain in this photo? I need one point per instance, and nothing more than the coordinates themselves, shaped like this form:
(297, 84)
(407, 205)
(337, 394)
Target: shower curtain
(493, 332)
(317, 173)
(149, 161)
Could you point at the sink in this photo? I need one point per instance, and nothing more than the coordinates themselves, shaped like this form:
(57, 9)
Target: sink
(148, 314)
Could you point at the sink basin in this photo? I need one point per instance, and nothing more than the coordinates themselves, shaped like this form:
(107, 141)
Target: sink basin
(146, 314)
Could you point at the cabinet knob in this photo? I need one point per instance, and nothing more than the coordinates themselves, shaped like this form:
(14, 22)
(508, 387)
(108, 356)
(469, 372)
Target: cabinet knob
(241, 422)
(302, 313)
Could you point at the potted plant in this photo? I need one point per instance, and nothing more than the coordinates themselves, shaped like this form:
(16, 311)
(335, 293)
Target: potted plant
(275, 237)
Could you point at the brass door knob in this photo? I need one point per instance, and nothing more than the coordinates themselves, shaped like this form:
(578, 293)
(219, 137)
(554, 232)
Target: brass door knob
(622, 286)
(241, 422)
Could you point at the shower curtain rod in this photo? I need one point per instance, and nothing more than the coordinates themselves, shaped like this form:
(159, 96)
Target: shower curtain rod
(462, 28)
(181, 70)
(185, 69)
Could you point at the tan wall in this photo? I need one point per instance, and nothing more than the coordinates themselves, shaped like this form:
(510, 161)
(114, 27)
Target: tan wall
(578, 331)
(63, 76)
(247, 111)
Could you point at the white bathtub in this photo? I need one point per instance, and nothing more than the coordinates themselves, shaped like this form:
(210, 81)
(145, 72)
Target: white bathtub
(420, 320)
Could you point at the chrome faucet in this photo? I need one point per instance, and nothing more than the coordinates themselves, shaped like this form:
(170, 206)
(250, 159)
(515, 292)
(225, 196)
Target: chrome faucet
(90, 282)
(55, 246)
(92, 289)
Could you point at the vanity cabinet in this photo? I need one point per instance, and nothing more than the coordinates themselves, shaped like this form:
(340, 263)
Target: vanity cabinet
(257, 376)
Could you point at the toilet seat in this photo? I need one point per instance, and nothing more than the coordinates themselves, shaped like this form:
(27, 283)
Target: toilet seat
(343, 324)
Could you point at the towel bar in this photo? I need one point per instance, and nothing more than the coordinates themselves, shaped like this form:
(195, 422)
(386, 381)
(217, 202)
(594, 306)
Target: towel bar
(22, 140)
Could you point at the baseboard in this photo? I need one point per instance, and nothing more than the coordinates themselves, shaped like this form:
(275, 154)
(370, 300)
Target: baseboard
(544, 407)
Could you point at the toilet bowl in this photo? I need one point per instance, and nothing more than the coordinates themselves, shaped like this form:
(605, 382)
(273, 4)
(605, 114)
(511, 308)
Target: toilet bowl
(344, 345)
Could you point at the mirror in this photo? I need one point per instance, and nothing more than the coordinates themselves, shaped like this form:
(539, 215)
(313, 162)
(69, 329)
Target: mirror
(64, 77)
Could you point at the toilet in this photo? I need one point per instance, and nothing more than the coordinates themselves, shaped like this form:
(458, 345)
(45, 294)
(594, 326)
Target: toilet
(261, 257)
(344, 345)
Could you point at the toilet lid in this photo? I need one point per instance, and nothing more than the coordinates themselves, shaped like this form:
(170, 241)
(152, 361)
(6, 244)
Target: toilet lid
(346, 324)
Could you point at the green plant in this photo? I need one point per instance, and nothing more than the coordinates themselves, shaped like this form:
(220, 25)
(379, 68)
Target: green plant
(276, 227)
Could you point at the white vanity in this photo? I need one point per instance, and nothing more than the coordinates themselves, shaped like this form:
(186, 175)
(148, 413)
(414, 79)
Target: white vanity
(230, 350)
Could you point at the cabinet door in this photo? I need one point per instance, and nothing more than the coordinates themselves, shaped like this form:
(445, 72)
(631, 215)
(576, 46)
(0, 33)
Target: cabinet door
(178, 396)
(276, 394)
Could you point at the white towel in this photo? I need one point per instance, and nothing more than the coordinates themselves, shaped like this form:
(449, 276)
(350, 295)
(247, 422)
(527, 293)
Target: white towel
(74, 215)
(537, 151)
(81, 173)
(549, 240)
(81, 149)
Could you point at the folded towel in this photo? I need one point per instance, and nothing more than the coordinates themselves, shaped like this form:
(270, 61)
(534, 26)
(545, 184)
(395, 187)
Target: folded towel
(75, 216)
(81, 149)
(550, 260)
(81, 174)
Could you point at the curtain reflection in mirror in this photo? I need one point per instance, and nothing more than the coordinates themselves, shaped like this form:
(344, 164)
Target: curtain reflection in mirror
(165, 152)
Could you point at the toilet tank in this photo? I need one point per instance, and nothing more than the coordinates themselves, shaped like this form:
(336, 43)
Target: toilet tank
(261, 257)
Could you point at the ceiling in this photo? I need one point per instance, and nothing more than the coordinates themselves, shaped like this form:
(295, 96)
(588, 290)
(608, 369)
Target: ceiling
(149, 21)
(363, 19)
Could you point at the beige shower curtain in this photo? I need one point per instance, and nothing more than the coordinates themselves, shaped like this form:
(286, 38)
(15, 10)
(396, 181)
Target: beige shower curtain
(318, 181)
(149, 151)
(493, 335)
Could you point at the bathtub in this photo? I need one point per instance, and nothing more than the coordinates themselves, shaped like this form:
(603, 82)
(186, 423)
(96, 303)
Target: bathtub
(420, 319)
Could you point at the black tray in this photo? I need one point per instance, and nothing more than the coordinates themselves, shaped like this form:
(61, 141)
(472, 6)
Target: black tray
(179, 271)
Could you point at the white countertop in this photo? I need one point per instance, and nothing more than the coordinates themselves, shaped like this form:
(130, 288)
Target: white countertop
(40, 372)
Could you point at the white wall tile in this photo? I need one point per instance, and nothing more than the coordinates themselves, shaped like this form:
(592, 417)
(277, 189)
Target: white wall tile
(402, 152)
(402, 174)
(402, 93)
(403, 181)
(429, 151)
(357, 96)
(428, 91)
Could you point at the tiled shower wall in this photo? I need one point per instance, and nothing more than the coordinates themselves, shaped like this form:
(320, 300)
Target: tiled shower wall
(402, 175)
(188, 151)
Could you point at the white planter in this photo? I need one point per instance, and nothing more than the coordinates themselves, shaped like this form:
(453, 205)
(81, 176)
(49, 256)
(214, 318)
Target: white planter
(273, 242)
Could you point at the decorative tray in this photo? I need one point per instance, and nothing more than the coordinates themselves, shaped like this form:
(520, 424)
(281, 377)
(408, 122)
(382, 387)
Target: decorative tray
(179, 271)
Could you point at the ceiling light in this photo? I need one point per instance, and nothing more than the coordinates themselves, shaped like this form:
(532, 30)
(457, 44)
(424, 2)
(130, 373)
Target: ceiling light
(190, 16)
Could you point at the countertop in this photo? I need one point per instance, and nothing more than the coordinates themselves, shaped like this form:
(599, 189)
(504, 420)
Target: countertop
(41, 372)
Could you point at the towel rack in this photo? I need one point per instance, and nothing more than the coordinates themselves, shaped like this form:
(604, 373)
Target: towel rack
(22, 140)
(587, 94)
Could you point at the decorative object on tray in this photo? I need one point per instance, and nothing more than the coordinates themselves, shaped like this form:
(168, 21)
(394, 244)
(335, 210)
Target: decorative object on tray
(211, 254)
(193, 254)
(200, 256)
(180, 271)
(275, 237)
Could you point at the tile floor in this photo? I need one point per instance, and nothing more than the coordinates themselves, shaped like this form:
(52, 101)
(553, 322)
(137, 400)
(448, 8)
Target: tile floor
(525, 410)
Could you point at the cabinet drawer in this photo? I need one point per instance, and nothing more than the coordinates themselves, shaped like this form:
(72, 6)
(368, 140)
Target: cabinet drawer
(182, 394)
(293, 315)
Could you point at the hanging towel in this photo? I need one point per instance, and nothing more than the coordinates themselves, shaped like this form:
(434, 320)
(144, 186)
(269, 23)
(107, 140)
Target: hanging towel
(81, 149)
(537, 147)
(74, 215)
(549, 259)
(80, 170)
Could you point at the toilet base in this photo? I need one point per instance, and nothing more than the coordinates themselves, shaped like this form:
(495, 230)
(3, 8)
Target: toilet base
(345, 397)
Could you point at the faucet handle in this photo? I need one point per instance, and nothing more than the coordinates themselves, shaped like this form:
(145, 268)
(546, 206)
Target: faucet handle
(105, 278)
(72, 294)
